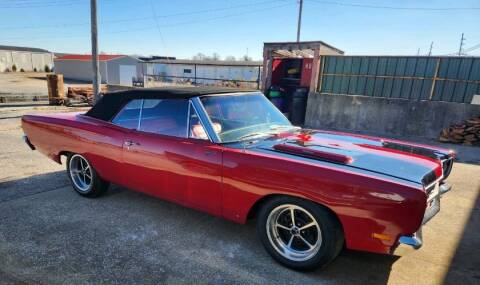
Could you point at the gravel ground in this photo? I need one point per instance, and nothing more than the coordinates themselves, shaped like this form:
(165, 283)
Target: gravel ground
(23, 83)
(51, 235)
(28, 87)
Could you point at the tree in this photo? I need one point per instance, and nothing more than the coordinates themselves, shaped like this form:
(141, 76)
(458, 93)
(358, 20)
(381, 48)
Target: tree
(246, 58)
(199, 56)
(215, 56)
(230, 58)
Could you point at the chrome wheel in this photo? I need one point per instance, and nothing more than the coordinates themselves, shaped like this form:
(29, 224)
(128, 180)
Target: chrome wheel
(293, 232)
(81, 173)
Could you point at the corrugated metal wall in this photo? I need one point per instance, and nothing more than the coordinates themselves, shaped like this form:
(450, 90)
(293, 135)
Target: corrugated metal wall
(452, 79)
(205, 74)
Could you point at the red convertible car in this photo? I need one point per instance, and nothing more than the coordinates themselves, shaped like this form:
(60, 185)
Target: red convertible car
(232, 154)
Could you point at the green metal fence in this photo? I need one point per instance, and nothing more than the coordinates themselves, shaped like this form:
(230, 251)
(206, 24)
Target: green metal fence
(452, 79)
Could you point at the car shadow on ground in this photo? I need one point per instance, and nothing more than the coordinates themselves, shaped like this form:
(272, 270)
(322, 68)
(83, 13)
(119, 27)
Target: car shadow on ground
(12, 189)
(359, 267)
(158, 240)
(465, 265)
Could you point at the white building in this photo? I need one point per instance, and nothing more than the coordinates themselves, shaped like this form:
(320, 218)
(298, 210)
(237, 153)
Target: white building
(114, 69)
(14, 58)
(204, 72)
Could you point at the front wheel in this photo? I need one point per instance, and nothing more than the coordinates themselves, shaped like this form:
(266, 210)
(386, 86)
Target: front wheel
(298, 233)
(84, 178)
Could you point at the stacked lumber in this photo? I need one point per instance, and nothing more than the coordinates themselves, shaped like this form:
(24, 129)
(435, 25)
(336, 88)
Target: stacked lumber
(82, 94)
(467, 133)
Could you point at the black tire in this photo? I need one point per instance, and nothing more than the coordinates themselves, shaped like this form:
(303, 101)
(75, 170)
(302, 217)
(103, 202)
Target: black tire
(97, 185)
(332, 238)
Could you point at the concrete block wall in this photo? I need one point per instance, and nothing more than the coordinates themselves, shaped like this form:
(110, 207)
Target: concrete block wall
(28, 61)
(385, 116)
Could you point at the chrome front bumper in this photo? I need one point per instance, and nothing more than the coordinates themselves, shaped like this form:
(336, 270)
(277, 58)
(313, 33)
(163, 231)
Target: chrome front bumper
(433, 208)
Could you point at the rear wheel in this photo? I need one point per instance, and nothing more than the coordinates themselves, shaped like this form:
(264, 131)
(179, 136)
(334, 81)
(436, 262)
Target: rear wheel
(298, 233)
(84, 178)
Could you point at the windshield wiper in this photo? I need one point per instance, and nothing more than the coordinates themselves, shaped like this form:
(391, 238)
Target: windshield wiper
(256, 134)
(273, 128)
(279, 127)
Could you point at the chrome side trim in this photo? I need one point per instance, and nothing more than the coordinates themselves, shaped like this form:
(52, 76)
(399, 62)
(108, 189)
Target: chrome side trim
(140, 115)
(190, 104)
(188, 119)
(204, 119)
(232, 93)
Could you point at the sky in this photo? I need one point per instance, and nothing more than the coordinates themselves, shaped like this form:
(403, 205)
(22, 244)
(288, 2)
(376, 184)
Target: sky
(183, 28)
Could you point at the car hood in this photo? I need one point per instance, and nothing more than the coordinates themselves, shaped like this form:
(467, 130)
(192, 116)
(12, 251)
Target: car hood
(412, 162)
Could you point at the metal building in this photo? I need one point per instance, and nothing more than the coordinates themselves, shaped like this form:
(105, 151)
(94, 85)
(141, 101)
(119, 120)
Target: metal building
(14, 58)
(204, 72)
(114, 69)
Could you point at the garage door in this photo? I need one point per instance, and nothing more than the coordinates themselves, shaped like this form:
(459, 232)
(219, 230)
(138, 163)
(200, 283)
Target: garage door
(127, 73)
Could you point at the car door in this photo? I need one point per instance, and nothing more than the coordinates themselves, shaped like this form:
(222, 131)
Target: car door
(160, 157)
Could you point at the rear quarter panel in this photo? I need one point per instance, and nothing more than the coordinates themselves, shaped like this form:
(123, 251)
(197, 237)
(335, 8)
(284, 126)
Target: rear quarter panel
(364, 204)
(100, 142)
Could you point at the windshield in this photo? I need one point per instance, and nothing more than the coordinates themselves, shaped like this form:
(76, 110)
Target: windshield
(239, 117)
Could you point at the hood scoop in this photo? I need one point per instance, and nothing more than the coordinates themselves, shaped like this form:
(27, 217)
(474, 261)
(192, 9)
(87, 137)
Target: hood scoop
(313, 153)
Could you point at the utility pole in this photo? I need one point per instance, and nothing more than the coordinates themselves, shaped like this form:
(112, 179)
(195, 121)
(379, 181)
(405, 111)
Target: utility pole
(299, 19)
(418, 51)
(430, 51)
(462, 40)
(95, 64)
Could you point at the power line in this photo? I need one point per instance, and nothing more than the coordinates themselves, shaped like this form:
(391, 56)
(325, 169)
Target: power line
(40, 4)
(137, 19)
(464, 51)
(472, 48)
(393, 7)
(31, 4)
(158, 28)
(162, 26)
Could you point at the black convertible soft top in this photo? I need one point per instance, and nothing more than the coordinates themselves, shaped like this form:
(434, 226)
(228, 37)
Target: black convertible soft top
(111, 102)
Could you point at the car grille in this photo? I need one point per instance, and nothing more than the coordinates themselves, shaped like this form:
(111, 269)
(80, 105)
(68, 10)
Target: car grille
(447, 165)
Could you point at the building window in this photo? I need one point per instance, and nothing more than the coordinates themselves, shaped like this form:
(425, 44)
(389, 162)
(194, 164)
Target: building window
(187, 70)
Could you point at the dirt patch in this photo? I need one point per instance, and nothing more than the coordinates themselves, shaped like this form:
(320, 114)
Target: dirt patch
(23, 83)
